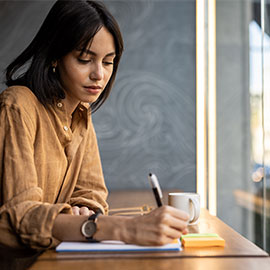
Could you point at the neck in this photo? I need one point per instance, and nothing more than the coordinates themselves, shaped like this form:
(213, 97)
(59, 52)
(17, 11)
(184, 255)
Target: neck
(70, 105)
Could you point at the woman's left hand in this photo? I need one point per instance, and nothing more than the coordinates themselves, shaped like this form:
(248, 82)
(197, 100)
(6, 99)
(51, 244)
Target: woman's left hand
(82, 211)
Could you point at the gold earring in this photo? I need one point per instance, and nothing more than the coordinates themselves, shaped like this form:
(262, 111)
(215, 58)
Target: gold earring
(54, 65)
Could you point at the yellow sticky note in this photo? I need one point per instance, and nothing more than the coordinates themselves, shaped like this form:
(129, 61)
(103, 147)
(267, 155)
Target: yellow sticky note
(202, 240)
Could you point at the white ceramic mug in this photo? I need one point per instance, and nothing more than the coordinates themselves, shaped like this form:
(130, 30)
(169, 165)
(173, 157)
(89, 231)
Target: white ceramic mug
(188, 202)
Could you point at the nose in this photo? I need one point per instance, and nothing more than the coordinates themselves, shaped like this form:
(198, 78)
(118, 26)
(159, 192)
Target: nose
(96, 74)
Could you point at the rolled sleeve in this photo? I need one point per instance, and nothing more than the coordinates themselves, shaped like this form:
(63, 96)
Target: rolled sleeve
(31, 223)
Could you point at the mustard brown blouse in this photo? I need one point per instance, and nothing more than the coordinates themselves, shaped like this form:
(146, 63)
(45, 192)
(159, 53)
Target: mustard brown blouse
(46, 167)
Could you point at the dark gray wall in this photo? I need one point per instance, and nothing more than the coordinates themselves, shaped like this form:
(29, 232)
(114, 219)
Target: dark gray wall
(148, 123)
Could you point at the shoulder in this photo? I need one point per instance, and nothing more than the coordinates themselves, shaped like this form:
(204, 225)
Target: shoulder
(18, 96)
(20, 101)
(18, 104)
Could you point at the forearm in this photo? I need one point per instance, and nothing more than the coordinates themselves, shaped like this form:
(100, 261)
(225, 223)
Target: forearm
(113, 228)
(68, 228)
(159, 227)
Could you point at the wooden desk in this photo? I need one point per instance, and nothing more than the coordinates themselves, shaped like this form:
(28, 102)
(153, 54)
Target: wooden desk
(239, 253)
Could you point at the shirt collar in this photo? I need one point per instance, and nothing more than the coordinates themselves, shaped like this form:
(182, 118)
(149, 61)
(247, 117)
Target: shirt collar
(83, 110)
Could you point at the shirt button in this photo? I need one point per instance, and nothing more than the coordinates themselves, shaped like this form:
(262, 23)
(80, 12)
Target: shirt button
(65, 128)
(59, 105)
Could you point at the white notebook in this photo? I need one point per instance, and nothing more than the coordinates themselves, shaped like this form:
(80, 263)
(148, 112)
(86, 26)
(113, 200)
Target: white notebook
(115, 246)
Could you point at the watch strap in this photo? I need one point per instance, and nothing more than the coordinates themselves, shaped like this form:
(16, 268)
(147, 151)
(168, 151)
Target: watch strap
(94, 219)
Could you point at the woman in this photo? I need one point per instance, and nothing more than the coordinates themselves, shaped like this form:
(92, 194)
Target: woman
(52, 187)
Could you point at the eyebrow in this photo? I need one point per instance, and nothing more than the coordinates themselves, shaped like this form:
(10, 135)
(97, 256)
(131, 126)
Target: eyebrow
(94, 54)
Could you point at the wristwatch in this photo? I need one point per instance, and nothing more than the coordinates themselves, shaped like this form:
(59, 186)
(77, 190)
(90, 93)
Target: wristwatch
(89, 227)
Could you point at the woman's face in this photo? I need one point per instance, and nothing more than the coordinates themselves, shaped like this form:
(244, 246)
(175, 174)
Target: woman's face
(85, 74)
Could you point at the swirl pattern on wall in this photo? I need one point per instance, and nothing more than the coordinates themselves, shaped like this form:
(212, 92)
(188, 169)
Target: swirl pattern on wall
(141, 129)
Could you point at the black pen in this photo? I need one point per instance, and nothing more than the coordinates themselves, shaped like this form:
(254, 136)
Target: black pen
(156, 188)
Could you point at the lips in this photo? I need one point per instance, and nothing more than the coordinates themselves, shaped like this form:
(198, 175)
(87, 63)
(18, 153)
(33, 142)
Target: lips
(93, 89)
(93, 86)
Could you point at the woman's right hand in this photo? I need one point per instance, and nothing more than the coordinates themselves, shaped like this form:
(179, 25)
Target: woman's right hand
(160, 226)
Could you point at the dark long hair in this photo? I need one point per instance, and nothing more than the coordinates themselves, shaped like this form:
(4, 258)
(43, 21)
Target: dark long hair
(69, 25)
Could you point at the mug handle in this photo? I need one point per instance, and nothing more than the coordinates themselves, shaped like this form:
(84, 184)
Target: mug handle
(196, 208)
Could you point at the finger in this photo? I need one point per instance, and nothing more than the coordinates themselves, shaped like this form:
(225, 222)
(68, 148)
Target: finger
(159, 241)
(171, 216)
(173, 233)
(91, 212)
(185, 231)
(173, 228)
(176, 212)
(164, 218)
(85, 211)
(178, 224)
(76, 210)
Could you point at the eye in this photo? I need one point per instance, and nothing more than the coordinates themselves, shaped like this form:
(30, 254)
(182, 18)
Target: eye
(84, 61)
(107, 63)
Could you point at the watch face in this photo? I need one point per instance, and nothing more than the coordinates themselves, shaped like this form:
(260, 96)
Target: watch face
(89, 228)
